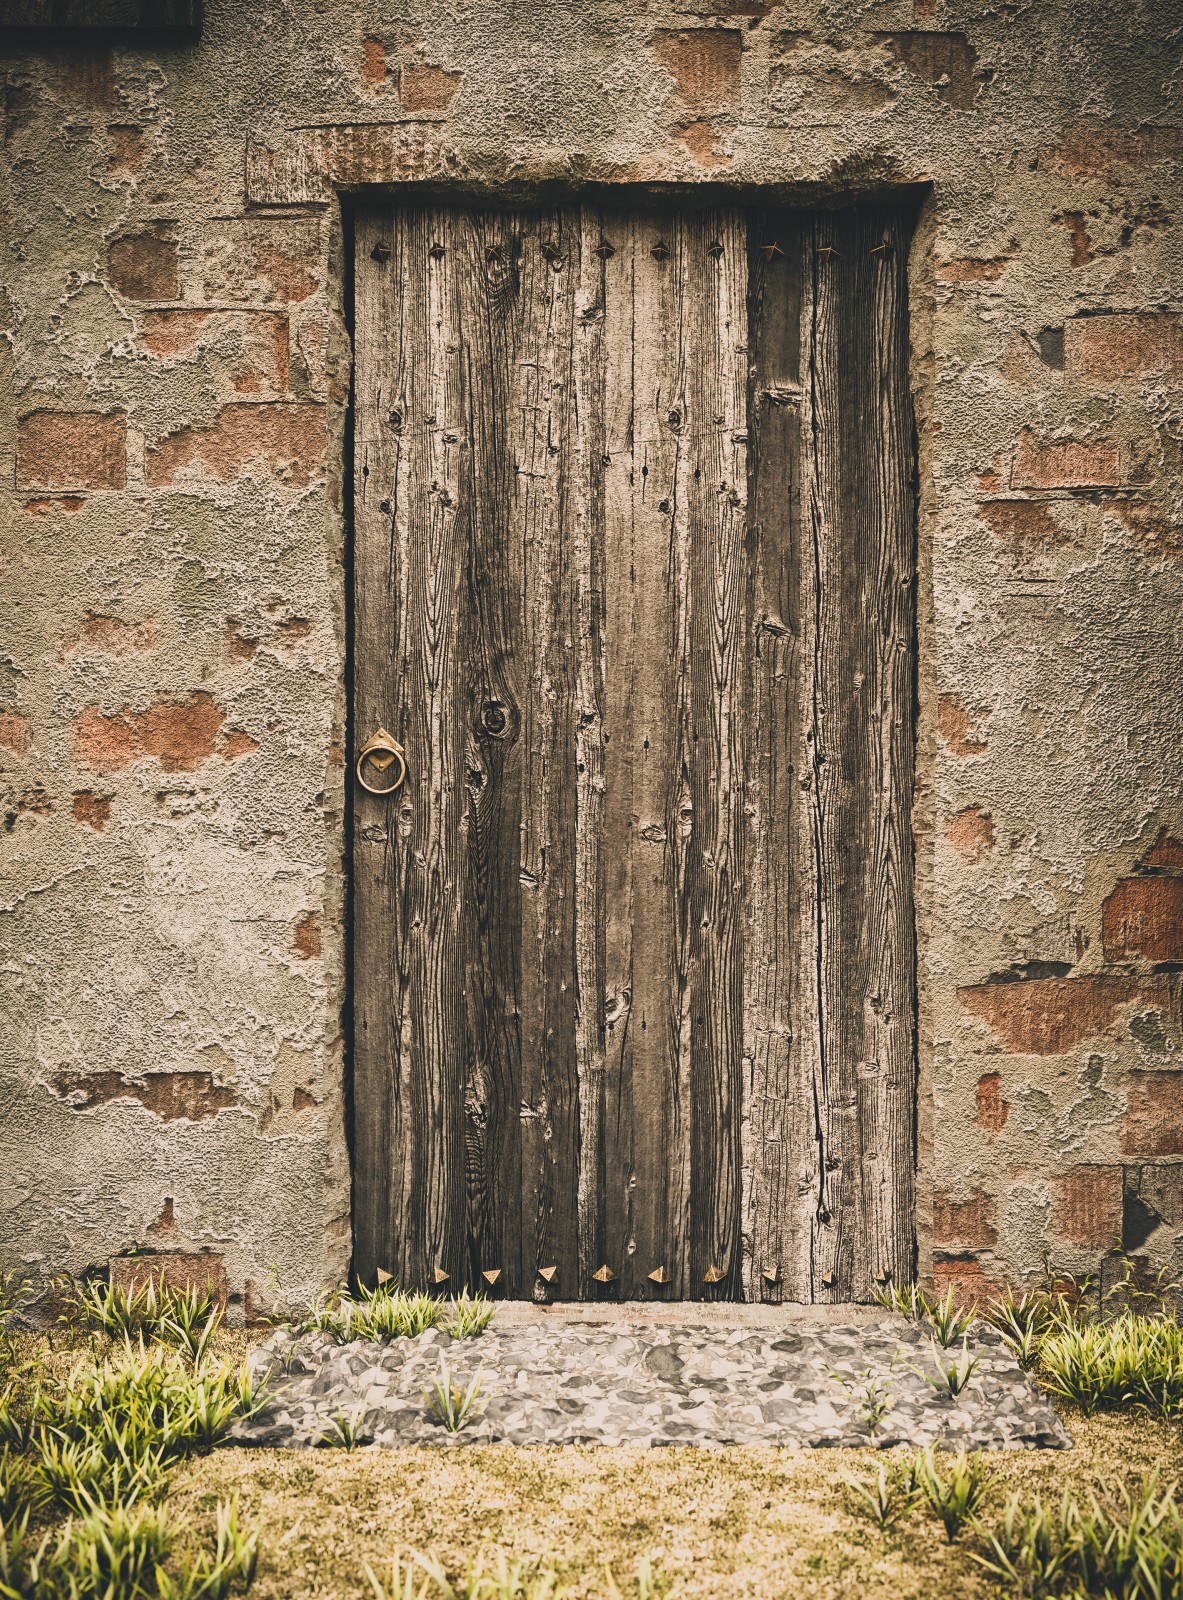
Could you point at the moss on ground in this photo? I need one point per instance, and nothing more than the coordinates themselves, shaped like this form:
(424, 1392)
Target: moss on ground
(722, 1523)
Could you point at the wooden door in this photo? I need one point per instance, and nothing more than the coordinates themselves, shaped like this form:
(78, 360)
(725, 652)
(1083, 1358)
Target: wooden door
(633, 586)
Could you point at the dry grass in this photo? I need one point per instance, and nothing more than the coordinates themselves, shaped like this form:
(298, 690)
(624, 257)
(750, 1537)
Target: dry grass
(722, 1523)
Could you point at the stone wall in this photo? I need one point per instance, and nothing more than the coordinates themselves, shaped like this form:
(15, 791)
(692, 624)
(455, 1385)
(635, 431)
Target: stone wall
(171, 678)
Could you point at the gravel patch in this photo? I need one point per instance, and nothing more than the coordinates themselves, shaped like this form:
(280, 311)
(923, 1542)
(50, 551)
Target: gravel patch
(626, 1383)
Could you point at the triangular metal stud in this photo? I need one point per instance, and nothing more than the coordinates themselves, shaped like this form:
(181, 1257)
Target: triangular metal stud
(437, 251)
(604, 250)
(548, 1274)
(383, 1276)
(381, 251)
(492, 1277)
(660, 250)
(659, 1275)
(715, 248)
(439, 1275)
(771, 250)
(771, 1275)
(827, 1280)
(605, 1274)
(713, 1275)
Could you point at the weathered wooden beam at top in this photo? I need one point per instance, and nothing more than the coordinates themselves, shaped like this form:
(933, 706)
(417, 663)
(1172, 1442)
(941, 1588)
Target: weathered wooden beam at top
(181, 18)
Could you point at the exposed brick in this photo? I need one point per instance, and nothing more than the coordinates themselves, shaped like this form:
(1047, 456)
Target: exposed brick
(963, 1224)
(173, 1096)
(958, 727)
(425, 88)
(1155, 531)
(1087, 1206)
(288, 438)
(705, 65)
(260, 260)
(1125, 345)
(373, 63)
(991, 1110)
(1049, 1016)
(972, 269)
(201, 1272)
(306, 941)
(968, 1279)
(14, 733)
(1153, 1123)
(72, 450)
(946, 61)
(88, 74)
(1144, 917)
(180, 735)
(1093, 150)
(1082, 245)
(705, 144)
(94, 810)
(971, 832)
(1021, 522)
(127, 147)
(1165, 854)
(145, 265)
(254, 343)
(1064, 463)
(67, 503)
(112, 636)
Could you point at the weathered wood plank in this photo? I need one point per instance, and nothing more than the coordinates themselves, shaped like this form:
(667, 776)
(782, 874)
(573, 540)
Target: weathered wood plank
(855, 747)
(778, 1117)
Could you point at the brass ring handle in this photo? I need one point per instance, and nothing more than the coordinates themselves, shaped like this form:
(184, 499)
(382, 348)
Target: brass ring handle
(382, 751)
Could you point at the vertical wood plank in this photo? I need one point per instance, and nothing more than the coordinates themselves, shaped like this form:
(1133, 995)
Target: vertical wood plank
(856, 746)
(778, 1120)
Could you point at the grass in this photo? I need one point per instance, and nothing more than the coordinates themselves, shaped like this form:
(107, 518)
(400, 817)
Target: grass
(717, 1523)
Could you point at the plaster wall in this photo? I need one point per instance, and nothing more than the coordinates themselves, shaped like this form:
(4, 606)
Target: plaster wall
(176, 366)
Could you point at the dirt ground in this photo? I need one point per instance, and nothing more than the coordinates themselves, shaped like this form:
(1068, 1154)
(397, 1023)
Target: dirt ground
(732, 1522)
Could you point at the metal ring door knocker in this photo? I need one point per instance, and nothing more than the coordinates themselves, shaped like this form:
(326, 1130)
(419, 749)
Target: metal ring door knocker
(382, 752)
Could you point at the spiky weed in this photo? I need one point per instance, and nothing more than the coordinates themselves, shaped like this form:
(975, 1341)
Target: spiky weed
(468, 1315)
(950, 1381)
(885, 1498)
(950, 1323)
(1133, 1361)
(1022, 1324)
(451, 1404)
(904, 1300)
(347, 1429)
(952, 1496)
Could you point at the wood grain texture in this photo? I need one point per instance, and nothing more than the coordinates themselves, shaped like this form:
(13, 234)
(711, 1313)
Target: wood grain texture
(90, 17)
(633, 951)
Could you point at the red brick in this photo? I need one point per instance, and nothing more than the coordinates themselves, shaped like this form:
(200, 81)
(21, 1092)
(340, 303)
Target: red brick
(92, 809)
(1144, 917)
(128, 147)
(260, 260)
(1087, 1206)
(1050, 1016)
(991, 1109)
(258, 340)
(145, 265)
(203, 1272)
(1165, 854)
(1153, 1123)
(180, 735)
(66, 503)
(968, 1279)
(112, 636)
(963, 1224)
(288, 438)
(307, 937)
(958, 727)
(1020, 523)
(1156, 531)
(705, 143)
(373, 63)
(1093, 150)
(14, 733)
(72, 450)
(1064, 463)
(1082, 244)
(88, 74)
(424, 88)
(704, 64)
(971, 833)
(972, 269)
(173, 1096)
(1145, 344)
(946, 61)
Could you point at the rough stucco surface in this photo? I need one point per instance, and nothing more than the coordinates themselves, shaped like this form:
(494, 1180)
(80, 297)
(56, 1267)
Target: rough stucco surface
(172, 660)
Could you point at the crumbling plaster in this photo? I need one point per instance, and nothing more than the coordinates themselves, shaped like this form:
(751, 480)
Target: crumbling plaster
(173, 658)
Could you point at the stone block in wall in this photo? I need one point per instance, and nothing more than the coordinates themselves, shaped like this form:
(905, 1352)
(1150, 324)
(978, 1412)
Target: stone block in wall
(1153, 1123)
(199, 1271)
(963, 1222)
(1042, 463)
(256, 261)
(288, 439)
(72, 450)
(253, 344)
(1142, 344)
